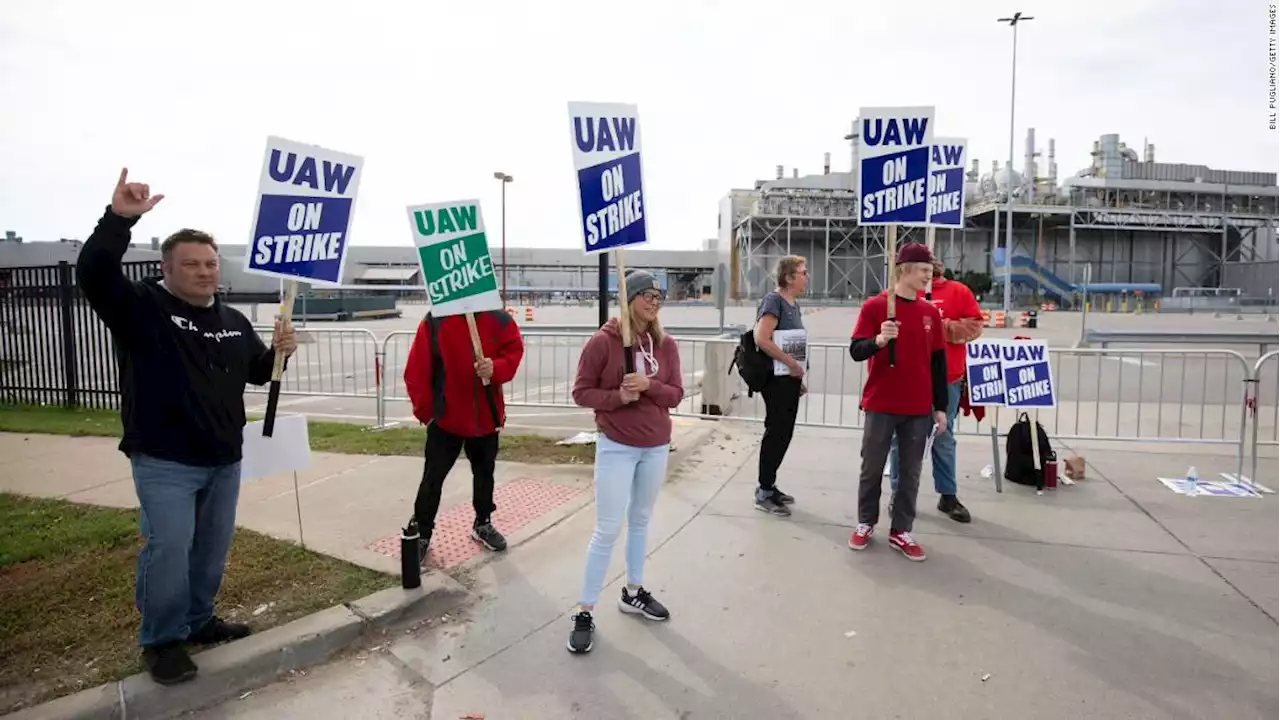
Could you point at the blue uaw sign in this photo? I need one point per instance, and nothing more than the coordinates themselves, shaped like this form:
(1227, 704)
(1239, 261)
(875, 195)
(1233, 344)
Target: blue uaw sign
(1028, 381)
(606, 158)
(1012, 373)
(893, 165)
(982, 370)
(946, 182)
(302, 221)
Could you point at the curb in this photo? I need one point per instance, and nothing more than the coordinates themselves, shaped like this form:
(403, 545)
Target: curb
(228, 670)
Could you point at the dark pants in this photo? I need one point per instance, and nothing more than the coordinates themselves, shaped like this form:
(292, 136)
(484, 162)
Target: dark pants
(781, 403)
(188, 517)
(441, 453)
(877, 434)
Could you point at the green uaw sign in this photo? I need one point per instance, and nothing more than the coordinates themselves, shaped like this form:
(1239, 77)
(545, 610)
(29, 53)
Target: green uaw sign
(454, 255)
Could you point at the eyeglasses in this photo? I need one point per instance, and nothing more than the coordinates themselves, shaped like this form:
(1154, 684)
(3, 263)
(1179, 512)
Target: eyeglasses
(653, 297)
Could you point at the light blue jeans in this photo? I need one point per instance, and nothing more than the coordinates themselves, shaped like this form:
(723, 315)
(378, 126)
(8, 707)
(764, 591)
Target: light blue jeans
(627, 483)
(944, 449)
(188, 518)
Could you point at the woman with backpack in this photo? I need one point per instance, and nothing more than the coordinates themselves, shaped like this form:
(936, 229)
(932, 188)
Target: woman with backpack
(633, 417)
(780, 335)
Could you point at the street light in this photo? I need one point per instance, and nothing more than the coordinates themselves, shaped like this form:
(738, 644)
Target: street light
(504, 179)
(1008, 234)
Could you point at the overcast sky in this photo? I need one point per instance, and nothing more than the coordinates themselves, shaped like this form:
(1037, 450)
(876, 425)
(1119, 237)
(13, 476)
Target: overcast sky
(438, 95)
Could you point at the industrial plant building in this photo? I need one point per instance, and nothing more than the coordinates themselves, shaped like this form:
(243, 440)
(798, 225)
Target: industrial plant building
(1122, 224)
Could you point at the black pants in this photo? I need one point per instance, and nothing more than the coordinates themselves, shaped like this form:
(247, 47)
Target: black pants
(440, 455)
(781, 403)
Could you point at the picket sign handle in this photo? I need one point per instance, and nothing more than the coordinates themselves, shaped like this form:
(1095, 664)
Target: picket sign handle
(475, 341)
(624, 319)
(928, 242)
(890, 249)
(1035, 440)
(285, 317)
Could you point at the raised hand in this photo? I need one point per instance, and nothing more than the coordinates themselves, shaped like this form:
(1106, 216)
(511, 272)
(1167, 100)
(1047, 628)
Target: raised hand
(132, 199)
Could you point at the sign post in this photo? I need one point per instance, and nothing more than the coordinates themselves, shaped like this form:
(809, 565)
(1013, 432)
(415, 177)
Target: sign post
(946, 189)
(605, 139)
(453, 252)
(893, 174)
(302, 223)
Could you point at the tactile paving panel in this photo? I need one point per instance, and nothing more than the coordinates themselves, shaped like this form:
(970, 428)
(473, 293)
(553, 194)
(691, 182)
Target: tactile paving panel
(519, 502)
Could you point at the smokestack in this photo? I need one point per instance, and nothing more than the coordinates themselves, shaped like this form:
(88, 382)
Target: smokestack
(826, 163)
(795, 173)
(1029, 162)
(1053, 164)
(155, 243)
(1150, 154)
(973, 173)
(780, 172)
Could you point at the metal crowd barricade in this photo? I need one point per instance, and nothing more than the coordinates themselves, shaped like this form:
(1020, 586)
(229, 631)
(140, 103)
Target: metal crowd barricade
(1137, 395)
(336, 363)
(1264, 387)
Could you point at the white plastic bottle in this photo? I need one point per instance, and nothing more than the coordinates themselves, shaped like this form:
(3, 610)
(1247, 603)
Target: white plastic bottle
(1190, 483)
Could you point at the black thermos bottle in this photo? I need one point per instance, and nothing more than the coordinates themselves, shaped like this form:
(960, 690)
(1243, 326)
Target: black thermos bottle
(410, 561)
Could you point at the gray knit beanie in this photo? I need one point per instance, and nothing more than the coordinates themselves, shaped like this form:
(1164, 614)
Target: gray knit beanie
(639, 281)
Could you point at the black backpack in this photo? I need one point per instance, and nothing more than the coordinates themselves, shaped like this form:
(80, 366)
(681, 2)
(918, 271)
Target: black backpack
(754, 367)
(1019, 464)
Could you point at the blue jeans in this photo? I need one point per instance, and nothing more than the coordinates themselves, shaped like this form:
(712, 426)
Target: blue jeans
(188, 517)
(627, 483)
(944, 449)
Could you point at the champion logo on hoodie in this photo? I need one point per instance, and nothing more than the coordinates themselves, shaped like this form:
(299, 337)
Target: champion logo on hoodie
(219, 336)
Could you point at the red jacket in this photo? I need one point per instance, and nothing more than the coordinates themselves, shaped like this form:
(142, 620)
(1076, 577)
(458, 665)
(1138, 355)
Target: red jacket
(440, 371)
(956, 302)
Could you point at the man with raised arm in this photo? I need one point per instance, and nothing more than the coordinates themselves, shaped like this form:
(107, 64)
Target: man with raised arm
(185, 358)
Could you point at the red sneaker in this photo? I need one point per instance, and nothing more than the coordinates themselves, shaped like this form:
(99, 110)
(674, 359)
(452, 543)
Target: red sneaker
(861, 537)
(906, 545)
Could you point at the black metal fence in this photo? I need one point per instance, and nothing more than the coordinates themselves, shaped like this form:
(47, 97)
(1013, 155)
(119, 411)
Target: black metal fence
(53, 348)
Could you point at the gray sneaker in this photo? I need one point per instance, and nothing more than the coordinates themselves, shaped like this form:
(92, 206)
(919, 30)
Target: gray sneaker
(767, 502)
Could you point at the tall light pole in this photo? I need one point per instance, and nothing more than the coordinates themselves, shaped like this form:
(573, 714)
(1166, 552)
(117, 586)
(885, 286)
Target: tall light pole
(1013, 93)
(504, 179)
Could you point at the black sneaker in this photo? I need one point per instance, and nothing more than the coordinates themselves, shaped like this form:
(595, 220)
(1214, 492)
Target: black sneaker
(767, 502)
(782, 497)
(216, 631)
(581, 639)
(489, 536)
(642, 603)
(169, 664)
(950, 505)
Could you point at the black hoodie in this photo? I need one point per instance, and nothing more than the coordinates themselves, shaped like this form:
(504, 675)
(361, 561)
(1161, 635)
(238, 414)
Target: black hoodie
(182, 368)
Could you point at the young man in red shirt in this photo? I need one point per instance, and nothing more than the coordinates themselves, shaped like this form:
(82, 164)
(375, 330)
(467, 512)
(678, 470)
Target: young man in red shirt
(961, 323)
(907, 399)
(445, 384)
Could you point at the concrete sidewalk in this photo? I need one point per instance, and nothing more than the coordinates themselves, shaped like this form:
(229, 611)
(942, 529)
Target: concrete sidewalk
(1115, 598)
(352, 506)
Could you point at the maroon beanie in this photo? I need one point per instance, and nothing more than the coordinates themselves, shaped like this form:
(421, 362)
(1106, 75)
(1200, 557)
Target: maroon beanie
(914, 253)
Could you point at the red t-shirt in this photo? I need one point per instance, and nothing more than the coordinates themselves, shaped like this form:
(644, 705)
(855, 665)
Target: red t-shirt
(955, 301)
(907, 387)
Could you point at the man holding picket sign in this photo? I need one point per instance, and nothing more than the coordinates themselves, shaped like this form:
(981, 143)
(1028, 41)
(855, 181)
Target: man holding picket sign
(905, 395)
(466, 348)
(185, 358)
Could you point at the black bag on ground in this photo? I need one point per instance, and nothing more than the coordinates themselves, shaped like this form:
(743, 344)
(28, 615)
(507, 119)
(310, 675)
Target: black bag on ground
(1019, 463)
(754, 367)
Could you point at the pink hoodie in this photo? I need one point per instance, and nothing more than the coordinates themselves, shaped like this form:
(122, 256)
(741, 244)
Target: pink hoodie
(647, 421)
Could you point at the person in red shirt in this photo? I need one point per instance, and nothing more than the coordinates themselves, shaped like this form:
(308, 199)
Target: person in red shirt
(445, 384)
(961, 323)
(906, 399)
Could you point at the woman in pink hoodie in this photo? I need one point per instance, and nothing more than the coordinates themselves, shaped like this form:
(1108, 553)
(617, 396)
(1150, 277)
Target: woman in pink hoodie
(633, 416)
